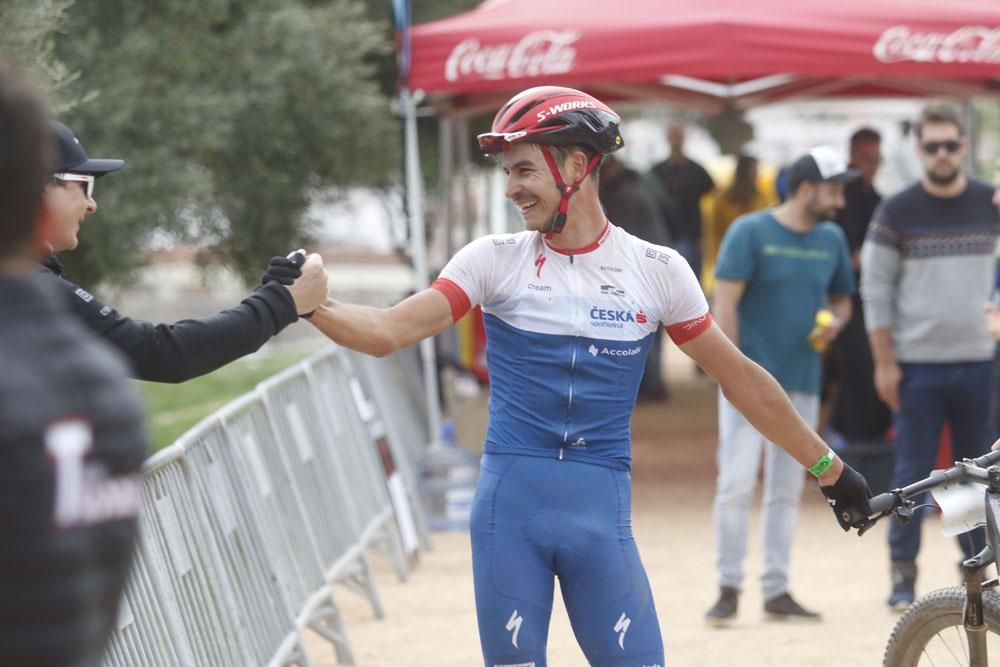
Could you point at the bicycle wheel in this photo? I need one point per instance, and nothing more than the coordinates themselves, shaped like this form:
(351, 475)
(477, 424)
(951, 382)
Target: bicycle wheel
(931, 631)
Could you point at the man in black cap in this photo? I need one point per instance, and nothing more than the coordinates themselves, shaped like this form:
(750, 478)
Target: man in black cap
(188, 348)
(777, 268)
(71, 431)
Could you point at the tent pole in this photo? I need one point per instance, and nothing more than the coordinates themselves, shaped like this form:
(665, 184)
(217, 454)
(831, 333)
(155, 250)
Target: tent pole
(418, 251)
(446, 139)
(465, 203)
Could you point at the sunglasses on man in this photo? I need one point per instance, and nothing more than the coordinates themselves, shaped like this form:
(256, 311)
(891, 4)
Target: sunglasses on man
(932, 147)
(78, 178)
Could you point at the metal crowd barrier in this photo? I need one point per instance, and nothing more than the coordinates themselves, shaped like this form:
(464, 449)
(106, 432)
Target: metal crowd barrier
(253, 517)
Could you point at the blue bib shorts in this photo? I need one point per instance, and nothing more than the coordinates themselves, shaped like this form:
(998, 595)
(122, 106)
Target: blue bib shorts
(535, 519)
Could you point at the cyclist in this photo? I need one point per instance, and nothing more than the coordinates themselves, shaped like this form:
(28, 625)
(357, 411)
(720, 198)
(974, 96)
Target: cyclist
(571, 306)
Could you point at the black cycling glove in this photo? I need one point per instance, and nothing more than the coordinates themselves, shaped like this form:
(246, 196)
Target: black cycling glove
(848, 497)
(284, 270)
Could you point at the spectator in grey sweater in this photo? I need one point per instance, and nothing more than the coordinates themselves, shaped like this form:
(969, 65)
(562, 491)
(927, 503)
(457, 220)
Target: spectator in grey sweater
(926, 271)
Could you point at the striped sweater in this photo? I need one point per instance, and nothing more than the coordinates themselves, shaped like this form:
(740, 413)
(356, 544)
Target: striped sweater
(927, 268)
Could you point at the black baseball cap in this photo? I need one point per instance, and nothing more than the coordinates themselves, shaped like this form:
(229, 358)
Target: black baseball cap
(71, 158)
(821, 164)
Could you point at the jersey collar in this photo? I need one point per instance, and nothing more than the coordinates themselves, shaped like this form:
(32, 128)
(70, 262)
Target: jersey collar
(590, 247)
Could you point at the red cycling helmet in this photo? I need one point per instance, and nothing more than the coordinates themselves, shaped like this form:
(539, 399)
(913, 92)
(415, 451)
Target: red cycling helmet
(556, 116)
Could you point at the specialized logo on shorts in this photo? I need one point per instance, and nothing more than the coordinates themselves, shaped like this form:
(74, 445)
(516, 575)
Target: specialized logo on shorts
(621, 627)
(514, 626)
(529, 664)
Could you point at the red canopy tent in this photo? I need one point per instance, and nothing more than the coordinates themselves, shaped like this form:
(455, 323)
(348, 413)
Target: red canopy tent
(707, 54)
(711, 53)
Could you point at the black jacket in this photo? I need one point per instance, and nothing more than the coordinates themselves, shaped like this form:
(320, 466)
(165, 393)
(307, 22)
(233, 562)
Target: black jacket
(188, 348)
(62, 572)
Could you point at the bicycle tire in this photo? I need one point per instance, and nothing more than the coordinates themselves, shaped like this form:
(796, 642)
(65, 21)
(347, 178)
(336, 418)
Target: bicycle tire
(928, 616)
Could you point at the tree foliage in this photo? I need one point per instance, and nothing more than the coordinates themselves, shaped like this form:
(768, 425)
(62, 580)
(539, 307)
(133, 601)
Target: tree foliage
(27, 38)
(230, 115)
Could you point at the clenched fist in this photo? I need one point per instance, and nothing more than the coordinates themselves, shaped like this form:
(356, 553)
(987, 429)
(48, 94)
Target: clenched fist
(310, 289)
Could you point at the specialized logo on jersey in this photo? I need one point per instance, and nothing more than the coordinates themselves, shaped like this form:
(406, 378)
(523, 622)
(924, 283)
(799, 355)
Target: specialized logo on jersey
(514, 626)
(539, 262)
(615, 319)
(621, 627)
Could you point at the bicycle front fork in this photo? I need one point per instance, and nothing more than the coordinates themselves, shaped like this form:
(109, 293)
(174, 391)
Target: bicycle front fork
(972, 617)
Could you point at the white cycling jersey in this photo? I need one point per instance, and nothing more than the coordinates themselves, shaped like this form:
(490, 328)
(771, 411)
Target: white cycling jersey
(568, 334)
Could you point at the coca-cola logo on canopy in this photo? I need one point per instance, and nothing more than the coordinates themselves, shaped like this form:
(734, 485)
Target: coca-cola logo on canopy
(968, 44)
(538, 53)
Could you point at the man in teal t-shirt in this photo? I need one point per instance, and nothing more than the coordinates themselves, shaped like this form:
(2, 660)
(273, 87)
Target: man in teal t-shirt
(775, 270)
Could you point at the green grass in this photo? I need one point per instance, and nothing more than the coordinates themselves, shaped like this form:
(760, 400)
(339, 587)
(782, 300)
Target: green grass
(171, 409)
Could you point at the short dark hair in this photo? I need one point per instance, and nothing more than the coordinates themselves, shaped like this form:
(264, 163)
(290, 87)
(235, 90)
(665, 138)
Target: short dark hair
(560, 153)
(25, 158)
(939, 112)
(865, 135)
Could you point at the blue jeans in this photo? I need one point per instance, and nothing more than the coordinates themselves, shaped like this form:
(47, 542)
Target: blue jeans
(931, 395)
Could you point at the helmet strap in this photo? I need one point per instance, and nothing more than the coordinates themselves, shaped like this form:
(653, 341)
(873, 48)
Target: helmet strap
(565, 190)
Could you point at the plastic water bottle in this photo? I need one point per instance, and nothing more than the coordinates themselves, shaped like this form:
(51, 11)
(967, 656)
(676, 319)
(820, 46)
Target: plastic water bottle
(448, 482)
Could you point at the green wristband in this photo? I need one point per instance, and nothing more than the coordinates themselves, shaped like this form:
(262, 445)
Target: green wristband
(823, 464)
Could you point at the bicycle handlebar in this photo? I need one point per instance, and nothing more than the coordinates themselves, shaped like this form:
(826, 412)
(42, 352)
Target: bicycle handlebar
(886, 502)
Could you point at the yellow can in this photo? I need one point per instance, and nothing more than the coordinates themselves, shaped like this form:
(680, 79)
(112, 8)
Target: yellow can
(824, 320)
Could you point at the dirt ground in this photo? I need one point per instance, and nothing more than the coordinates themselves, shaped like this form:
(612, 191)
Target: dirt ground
(430, 619)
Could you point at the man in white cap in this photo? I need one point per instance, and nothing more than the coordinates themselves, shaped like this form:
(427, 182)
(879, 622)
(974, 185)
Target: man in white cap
(777, 268)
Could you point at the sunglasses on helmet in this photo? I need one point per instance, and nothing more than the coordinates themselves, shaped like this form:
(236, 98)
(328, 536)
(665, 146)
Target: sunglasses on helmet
(78, 178)
(494, 143)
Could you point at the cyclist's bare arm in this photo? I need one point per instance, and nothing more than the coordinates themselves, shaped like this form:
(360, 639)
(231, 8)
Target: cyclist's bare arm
(755, 393)
(382, 331)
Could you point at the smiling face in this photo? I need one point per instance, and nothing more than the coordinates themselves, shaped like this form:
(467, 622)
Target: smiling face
(530, 185)
(69, 205)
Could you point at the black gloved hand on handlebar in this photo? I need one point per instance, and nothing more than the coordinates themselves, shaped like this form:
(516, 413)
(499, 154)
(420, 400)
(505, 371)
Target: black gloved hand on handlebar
(849, 493)
(283, 270)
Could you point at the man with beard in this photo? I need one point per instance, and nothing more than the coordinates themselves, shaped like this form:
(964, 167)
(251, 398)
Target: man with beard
(926, 271)
(776, 269)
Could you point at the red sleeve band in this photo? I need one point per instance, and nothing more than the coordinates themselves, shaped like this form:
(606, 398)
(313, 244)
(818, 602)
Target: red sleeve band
(683, 332)
(456, 296)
